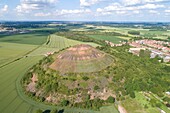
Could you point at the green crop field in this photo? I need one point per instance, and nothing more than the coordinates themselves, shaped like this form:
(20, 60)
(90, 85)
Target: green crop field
(12, 98)
(114, 39)
(144, 32)
(10, 51)
(32, 38)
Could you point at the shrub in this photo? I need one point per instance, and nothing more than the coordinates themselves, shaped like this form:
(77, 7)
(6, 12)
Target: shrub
(65, 103)
(132, 95)
(85, 78)
(96, 87)
(110, 99)
(134, 32)
(158, 105)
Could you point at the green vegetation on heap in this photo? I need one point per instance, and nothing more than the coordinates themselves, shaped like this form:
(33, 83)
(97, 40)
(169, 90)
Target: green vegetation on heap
(70, 87)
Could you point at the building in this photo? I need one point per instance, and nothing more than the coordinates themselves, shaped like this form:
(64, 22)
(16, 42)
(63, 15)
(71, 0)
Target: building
(136, 51)
(166, 59)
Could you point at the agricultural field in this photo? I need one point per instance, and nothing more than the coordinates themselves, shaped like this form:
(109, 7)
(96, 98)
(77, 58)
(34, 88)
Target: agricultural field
(114, 39)
(31, 38)
(11, 51)
(148, 33)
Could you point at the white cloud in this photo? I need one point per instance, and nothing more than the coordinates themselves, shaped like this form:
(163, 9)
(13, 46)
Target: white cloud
(28, 5)
(5, 8)
(135, 2)
(131, 2)
(136, 12)
(150, 6)
(87, 3)
(167, 11)
(76, 11)
(42, 14)
(64, 12)
(119, 7)
(121, 12)
(153, 12)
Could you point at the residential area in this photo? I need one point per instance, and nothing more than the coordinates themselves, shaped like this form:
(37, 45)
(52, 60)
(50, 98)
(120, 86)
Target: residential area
(157, 48)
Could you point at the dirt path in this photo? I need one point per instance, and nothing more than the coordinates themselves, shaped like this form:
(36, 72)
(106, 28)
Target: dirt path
(121, 109)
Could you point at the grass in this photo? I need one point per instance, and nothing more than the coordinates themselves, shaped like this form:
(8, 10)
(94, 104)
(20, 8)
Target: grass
(32, 38)
(133, 106)
(137, 105)
(114, 39)
(108, 109)
(143, 100)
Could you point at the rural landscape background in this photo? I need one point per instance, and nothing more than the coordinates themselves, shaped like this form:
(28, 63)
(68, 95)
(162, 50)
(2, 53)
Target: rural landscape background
(85, 56)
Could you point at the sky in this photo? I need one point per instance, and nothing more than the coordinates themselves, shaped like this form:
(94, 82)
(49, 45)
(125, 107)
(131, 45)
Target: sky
(86, 10)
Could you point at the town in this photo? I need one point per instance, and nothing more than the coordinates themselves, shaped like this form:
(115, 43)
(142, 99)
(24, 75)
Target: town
(11, 30)
(157, 48)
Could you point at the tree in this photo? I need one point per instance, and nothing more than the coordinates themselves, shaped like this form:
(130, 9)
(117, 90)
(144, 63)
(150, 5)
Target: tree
(168, 37)
(85, 78)
(47, 88)
(134, 32)
(55, 86)
(65, 103)
(110, 99)
(132, 94)
(146, 106)
(87, 97)
(153, 101)
(96, 87)
(144, 53)
(158, 105)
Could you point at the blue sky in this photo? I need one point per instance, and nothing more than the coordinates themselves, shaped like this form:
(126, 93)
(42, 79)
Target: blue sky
(86, 10)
